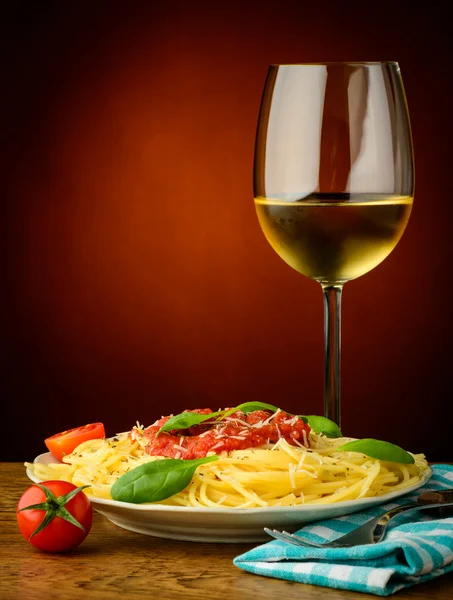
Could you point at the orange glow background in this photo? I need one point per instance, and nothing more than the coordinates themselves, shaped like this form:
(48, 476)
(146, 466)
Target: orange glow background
(138, 281)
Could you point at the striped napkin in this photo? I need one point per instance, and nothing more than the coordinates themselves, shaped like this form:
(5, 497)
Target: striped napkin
(411, 552)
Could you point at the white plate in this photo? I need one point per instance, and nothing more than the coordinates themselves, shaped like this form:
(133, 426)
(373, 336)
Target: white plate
(229, 525)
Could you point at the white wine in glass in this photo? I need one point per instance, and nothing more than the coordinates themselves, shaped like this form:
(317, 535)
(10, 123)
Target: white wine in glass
(333, 179)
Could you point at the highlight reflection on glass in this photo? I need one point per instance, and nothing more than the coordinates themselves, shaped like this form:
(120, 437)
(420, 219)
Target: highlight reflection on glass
(333, 179)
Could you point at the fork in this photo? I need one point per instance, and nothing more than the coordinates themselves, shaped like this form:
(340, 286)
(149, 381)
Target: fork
(369, 533)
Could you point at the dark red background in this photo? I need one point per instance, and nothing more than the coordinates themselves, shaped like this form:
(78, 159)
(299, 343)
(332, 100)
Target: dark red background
(138, 281)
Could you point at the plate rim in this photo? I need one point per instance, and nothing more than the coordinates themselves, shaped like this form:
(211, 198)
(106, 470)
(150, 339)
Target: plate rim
(149, 507)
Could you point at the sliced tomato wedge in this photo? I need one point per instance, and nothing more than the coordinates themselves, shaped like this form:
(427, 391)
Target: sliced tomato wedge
(62, 444)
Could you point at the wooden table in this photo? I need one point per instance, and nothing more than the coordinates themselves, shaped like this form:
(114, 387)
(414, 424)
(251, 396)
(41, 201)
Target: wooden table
(113, 562)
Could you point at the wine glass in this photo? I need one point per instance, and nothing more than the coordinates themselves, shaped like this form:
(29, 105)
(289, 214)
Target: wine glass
(333, 179)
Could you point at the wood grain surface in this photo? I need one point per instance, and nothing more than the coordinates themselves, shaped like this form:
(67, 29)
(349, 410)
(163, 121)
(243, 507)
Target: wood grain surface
(113, 562)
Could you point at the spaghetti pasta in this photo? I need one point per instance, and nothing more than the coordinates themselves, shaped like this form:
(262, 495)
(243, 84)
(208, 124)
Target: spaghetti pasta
(279, 474)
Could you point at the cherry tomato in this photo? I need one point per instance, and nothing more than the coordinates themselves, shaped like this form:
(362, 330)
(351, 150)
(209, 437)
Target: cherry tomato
(62, 444)
(60, 519)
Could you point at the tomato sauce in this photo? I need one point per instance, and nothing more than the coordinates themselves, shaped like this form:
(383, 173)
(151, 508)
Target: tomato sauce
(235, 432)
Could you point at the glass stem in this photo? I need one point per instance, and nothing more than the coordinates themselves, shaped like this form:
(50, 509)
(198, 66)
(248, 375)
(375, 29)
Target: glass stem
(332, 349)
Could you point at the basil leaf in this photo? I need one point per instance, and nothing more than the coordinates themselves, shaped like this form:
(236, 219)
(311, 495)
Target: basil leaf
(378, 449)
(157, 480)
(187, 419)
(323, 425)
(249, 407)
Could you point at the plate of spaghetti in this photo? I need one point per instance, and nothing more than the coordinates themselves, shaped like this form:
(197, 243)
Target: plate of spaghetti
(223, 476)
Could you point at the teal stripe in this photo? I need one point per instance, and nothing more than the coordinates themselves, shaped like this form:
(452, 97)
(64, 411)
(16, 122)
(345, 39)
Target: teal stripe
(417, 557)
(440, 552)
